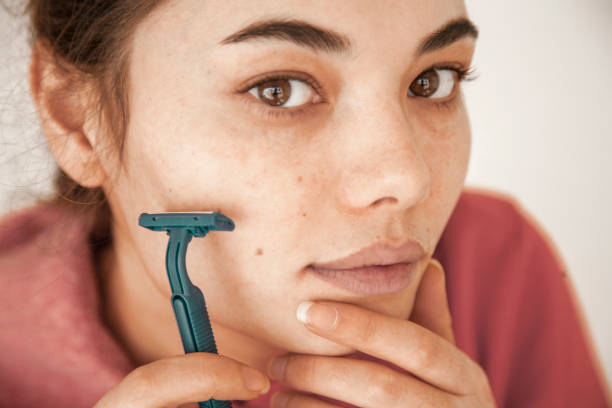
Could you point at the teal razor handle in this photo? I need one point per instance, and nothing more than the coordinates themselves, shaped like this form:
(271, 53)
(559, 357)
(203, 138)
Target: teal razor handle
(187, 299)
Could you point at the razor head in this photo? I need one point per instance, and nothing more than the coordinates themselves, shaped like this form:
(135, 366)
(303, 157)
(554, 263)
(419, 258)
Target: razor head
(198, 223)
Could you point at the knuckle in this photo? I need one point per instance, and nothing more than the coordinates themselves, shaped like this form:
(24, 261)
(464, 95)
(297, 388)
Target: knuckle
(142, 381)
(425, 356)
(143, 376)
(369, 332)
(475, 379)
(303, 368)
(480, 378)
(307, 370)
(341, 375)
(386, 388)
(205, 372)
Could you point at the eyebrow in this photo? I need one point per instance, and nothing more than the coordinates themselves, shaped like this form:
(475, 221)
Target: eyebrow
(329, 41)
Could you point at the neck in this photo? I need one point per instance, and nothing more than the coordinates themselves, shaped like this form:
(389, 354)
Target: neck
(140, 314)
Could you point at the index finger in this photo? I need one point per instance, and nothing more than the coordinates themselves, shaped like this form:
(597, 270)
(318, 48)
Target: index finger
(401, 342)
(186, 378)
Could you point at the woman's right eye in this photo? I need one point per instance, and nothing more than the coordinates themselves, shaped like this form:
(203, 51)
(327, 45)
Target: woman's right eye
(285, 92)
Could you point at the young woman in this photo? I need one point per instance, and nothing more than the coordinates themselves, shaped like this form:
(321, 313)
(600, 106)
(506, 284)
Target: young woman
(335, 136)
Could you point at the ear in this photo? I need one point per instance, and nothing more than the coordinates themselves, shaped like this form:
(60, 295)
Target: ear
(64, 102)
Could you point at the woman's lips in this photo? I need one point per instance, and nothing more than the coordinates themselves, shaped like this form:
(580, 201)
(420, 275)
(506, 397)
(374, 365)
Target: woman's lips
(370, 280)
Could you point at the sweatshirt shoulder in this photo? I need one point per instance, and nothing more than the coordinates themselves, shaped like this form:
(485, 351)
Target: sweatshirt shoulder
(495, 219)
(481, 209)
(41, 230)
(21, 227)
(492, 230)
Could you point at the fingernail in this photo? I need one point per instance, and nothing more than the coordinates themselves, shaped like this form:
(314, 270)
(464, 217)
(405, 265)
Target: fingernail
(321, 316)
(277, 368)
(279, 400)
(255, 381)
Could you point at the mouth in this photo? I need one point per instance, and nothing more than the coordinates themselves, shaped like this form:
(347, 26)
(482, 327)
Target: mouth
(378, 269)
(369, 280)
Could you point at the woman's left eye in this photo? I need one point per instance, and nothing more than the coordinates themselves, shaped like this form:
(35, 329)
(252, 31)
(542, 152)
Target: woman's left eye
(286, 92)
(435, 83)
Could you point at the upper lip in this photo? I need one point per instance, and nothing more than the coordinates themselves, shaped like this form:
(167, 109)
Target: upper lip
(378, 254)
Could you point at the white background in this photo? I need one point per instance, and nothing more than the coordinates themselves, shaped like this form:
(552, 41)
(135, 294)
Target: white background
(541, 114)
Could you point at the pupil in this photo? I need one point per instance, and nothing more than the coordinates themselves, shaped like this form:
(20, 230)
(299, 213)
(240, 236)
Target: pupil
(276, 92)
(424, 82)
(273, 92)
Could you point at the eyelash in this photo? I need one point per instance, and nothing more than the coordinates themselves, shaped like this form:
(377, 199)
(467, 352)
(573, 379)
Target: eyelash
(463, 74)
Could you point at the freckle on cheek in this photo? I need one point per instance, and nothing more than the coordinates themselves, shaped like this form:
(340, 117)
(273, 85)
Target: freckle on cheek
(259, 252)
(303, 214)
(299, 179)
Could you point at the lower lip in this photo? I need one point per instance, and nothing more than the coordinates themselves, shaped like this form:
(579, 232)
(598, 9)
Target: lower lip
(370, 280)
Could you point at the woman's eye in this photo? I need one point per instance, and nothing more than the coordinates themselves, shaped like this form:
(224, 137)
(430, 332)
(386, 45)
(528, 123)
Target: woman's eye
(283, 92)
(434, 83)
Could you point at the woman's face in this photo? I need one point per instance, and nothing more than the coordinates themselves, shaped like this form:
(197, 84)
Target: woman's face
(351, 158)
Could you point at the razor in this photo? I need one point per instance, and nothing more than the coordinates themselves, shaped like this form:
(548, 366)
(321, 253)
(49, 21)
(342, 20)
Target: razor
(187, 299)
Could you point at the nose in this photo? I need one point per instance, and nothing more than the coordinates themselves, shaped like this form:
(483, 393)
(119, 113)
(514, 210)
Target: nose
(383, 164)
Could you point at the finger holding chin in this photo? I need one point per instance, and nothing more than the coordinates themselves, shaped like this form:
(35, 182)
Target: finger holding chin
(436, 373)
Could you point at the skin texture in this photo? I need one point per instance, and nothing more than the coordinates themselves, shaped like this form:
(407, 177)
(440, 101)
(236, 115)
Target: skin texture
(368, 163)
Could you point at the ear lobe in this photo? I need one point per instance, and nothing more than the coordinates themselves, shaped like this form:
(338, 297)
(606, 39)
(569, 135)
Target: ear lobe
(64, 99)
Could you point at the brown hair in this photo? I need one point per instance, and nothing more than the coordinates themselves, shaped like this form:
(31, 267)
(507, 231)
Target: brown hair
(91, 38)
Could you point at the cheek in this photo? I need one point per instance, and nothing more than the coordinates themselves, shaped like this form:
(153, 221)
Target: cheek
(206, 173)
(251, 176)
(446, 148)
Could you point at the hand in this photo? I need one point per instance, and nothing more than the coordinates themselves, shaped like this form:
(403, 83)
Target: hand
(437, 373)
(186, 378)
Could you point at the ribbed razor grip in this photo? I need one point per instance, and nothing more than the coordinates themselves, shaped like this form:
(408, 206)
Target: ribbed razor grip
(196, 332)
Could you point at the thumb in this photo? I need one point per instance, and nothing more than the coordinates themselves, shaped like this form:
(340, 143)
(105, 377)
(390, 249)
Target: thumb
(431, 303)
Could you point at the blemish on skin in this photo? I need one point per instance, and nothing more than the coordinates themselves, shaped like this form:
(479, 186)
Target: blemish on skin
(378, 237)
(259, 252)
(300, 179)
(303, 214)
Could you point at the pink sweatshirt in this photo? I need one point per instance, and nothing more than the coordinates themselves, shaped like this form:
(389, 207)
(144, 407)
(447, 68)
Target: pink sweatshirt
(508, 293)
